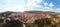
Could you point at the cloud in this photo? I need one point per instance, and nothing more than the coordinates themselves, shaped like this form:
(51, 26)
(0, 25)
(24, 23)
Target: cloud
(46, 7)
(17, 7)
(30, 5)
(0, 6)
(14, 1)
(45, 4)
(57, 10)
(51, 5)
(20, 7)
(13, 5)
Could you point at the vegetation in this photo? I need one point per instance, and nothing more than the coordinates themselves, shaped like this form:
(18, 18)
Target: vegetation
(14, 23)
(29, 25)
(40, 23)
(1, 20)
(53, 20)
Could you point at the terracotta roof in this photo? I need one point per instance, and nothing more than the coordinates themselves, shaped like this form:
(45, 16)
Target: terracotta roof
(28, 17)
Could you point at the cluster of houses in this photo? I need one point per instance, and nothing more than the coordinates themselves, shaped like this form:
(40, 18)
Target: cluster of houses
(25, 17)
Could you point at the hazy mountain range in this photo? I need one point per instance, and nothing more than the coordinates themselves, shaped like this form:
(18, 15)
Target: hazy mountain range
(46, 12)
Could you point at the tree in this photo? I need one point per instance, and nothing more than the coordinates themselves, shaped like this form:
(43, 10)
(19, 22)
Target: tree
(14, 23)
(40, 23)
(1, 20)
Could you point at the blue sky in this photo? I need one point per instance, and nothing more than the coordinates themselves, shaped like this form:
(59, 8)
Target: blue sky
(26, 5)
(55, 2)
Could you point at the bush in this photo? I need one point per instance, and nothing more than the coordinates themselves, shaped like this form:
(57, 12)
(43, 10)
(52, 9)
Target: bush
(14, 23)
(40, 23)
(29, 25)
(1, 20)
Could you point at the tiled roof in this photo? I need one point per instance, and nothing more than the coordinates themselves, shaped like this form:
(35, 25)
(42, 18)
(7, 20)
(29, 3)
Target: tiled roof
(28, 17)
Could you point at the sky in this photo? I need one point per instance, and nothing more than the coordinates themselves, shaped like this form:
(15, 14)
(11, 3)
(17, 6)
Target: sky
(27, 5)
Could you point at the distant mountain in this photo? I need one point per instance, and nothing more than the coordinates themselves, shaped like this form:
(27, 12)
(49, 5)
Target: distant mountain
(45, 12)
(5, 13)
(39, 12)
(11, 14)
